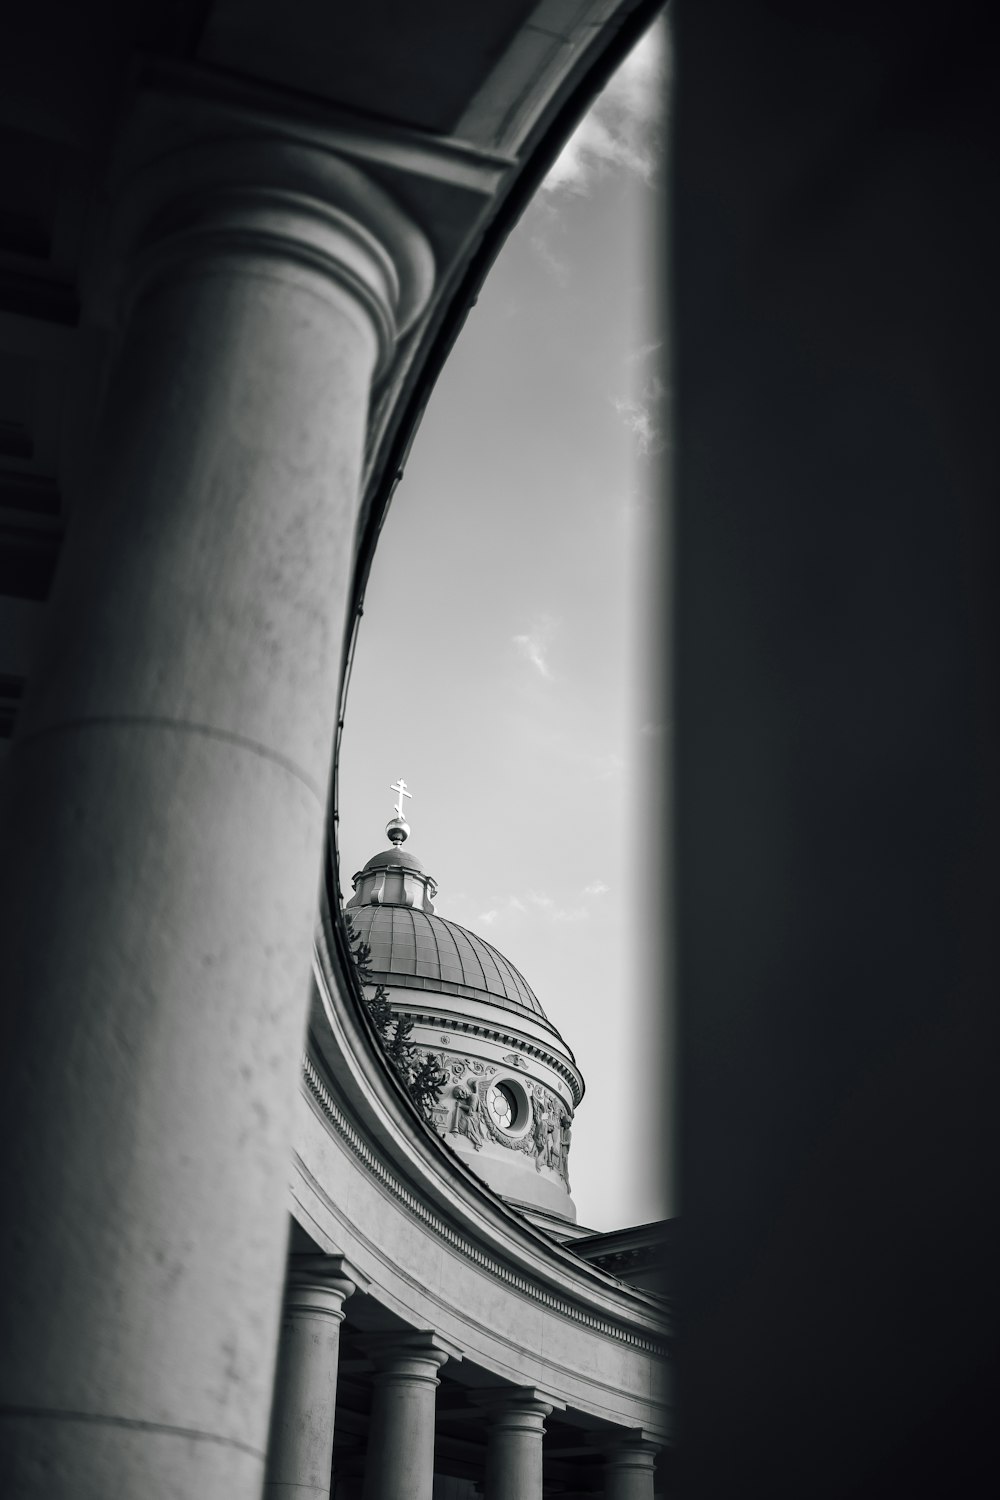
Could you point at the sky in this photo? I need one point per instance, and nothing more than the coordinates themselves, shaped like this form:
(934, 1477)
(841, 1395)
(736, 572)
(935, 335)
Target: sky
(503, 664)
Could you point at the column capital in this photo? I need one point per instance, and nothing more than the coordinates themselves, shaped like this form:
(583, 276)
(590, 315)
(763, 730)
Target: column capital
(322, 1284)
(517, 1406)
(242, 188)
(409, 1356)
(628, 1451)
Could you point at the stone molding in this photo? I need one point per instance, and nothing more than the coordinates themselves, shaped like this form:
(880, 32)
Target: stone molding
(489, 1033)
(373, 1163)
(262, 199)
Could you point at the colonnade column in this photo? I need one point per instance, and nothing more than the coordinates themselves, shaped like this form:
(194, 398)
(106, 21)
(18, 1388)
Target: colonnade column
(514, 1442)
(300, 1449)
(629, 1469)
(163, 809)
(399, 1464)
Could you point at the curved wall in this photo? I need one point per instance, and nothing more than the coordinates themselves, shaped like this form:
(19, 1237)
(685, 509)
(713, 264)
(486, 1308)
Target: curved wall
(441, 1251)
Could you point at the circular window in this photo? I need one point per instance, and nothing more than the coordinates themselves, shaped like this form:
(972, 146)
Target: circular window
(505, 1105)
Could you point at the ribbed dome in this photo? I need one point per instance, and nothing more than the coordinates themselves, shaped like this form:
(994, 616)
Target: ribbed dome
(415, 950)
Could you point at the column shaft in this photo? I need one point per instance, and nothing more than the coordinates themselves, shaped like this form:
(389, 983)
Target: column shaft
(399, 1464)
(161, 832)
(300, 1449)
(629, 1471)
(514, 1444)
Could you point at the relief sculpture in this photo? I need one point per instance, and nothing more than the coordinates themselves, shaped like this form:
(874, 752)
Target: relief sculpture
(538, 1131)
(551, 1140)
(565, 1131)
(462, 1110)
(468, 1114)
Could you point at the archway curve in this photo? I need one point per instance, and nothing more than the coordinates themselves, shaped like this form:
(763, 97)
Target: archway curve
(552, 132)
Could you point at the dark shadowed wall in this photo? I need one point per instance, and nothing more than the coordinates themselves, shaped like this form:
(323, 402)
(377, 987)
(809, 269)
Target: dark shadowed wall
(835, 240)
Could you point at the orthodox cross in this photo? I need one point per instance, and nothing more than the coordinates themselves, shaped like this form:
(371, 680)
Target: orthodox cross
(400, 787)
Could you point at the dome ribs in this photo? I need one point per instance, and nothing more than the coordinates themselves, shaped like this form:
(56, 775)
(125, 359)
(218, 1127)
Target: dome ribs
(465, 948)
(522, 994)
(486, 957)
(428, 953)
(437, 945)
(403, 955)
(414, 949)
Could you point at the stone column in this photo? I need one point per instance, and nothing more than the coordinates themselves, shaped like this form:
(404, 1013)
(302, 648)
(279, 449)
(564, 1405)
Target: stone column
(300, 1450)
(162, 824)
(400, 1459)
(629, 1470)
(514, 1442)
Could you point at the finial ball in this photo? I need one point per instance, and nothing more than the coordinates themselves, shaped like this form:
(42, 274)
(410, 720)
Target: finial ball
(397, 831)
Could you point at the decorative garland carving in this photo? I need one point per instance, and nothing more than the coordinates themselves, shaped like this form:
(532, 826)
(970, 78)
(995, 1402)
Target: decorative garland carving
(462, 1110)
(360, 1148)
(511, 1142)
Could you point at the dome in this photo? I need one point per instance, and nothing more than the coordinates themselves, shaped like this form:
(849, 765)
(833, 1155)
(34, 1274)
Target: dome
(509, 1084)
(417, 950)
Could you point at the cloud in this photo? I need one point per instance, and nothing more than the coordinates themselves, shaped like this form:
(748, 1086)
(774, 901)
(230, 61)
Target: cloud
(557, 264)
(644, 416)
(624, 128)
(531, 647)
(548, 908)
(639, 421)
(502, 910)
(643, 352)
(534, 645)
(596, 888)
(534, 903)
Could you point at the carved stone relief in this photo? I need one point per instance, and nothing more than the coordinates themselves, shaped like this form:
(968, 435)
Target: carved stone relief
(462, 1110)
(469, 1112)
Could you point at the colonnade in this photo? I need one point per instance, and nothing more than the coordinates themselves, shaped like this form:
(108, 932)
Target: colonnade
(399, 1462)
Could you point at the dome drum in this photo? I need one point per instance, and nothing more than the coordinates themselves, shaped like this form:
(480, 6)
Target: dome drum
(524, 1156)
(433, 1032)
(507, 1127)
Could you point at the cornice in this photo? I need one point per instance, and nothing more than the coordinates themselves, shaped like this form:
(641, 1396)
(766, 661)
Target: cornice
(377, 1167)
(517, 1040)
(385, 1126)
